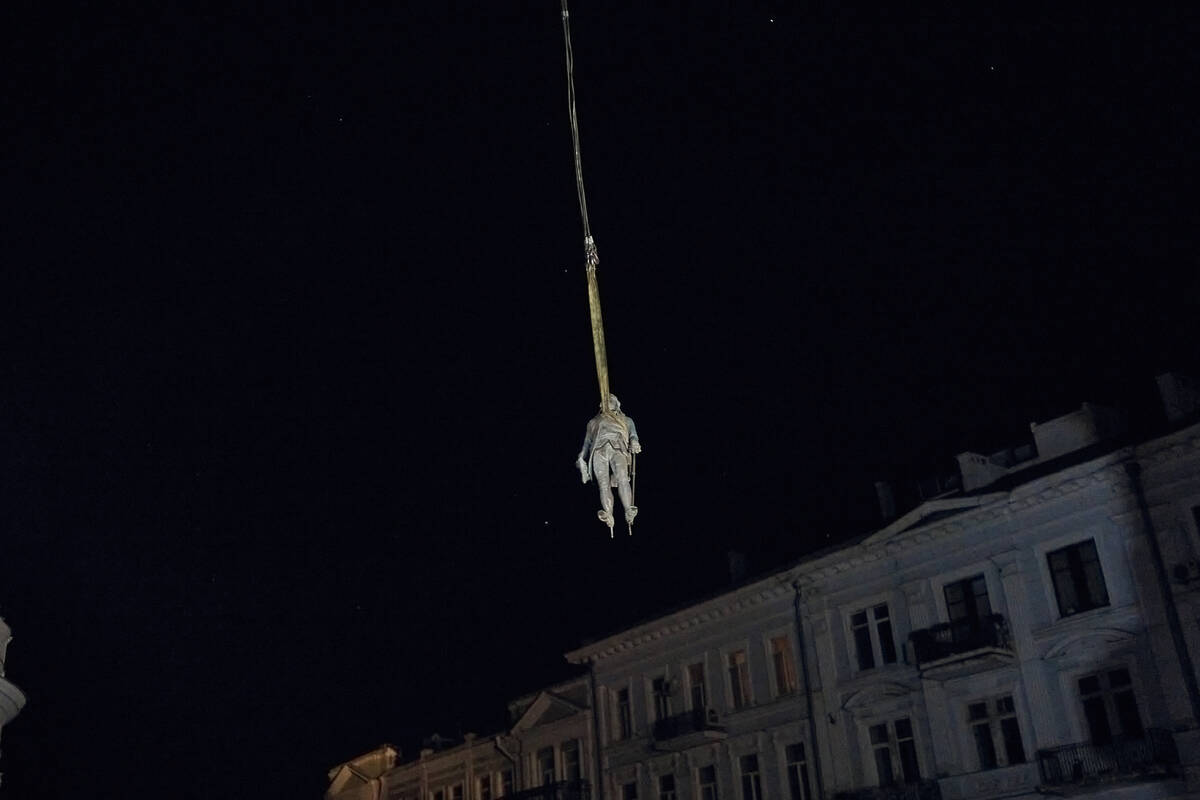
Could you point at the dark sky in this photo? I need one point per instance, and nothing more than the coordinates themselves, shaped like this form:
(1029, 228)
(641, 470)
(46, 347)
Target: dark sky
(296, 357)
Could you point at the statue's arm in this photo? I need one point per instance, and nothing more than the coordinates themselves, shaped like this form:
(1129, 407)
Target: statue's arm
(633, 435)
(588, 438)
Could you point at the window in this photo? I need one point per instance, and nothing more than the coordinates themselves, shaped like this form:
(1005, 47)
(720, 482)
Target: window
(666, 787)
(696, 686)
(506, 783)
(629, 791)
(624, 714)
(785, 670)
(706, 779)
(1110, 706)
(739, 679)
(662, 698)
(570, 753)
(996, 733)
(892, 744)
(751, 780)
(456, 792)
(485, 788)
(545, 762)
(1078, 578)
(873, 640)
(967, 599)
(797, 772)
(440, 794)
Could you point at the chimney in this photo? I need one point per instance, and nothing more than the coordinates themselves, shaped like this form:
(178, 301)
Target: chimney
(887, 500)
(737, 566)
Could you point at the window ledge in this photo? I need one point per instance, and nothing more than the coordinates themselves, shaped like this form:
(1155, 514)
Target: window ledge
(1085, 620)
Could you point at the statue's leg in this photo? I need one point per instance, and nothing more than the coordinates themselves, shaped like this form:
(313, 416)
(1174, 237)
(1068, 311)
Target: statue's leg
(620, 467)
(601, 471)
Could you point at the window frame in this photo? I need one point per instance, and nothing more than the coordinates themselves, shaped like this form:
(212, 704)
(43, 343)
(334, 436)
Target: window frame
(623, 724)
(747, 685)
(657, 712)
(1113, 567)
(1112, 714)
(1076, 576)
(868, 607)
(701, 785)
(702, 662)
(578, 750)
(994, 721)
(673, 792)
(769, 640)
(751, 779)
(892, 745)
(804, 777)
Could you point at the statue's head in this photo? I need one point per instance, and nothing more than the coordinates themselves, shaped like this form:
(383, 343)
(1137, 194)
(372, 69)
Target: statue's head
(613, 403)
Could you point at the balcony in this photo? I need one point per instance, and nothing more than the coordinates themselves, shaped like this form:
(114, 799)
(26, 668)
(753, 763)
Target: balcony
(686, 730)
(578, 789)
(962, 646)
(1150, 755)
(921, 790)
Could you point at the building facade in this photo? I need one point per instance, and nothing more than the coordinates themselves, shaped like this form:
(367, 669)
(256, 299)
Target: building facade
(548, 753)
(12, 700)
(1033, 630)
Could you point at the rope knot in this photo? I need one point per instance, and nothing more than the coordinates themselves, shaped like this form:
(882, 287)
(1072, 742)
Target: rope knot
(589, 249)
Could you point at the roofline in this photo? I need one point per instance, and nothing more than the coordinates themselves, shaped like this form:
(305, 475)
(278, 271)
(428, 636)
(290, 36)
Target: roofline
(802, 571)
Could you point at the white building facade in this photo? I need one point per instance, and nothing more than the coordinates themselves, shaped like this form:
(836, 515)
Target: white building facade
(1034, 633)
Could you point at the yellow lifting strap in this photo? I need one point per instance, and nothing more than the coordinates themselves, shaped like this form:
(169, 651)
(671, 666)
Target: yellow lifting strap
(589, 244)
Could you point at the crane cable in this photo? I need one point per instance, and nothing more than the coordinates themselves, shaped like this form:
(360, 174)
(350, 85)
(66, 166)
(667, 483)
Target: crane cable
(592, 257)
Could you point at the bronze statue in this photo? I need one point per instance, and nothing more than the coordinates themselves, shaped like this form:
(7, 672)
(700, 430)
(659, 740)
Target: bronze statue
(606, 454)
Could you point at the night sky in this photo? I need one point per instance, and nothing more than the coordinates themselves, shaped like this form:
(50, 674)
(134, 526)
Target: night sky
(296, 356)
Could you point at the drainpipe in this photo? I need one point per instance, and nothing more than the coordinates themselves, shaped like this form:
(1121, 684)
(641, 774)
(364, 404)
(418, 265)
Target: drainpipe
(808, 695)
(1134, 470)
(599, 790)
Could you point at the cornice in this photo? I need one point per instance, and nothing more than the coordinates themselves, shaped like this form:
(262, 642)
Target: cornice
(810, 575)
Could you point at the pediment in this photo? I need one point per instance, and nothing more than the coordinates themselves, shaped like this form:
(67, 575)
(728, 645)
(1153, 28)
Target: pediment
(344, 779)
(545, 709)
(876, 694)
(1088, 642)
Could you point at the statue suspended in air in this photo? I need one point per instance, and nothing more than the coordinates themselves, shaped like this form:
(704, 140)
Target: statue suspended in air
(607, 452)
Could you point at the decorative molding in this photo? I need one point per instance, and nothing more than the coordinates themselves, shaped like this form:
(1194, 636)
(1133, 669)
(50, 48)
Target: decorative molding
(1082, 643)
(873, 695)
(1107, 470)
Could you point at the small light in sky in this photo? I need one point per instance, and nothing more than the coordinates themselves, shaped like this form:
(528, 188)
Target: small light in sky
(772, 19)
(339, 119)
(992, 67)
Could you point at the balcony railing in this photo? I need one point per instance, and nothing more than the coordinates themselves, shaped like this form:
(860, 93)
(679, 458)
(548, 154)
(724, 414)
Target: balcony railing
(578, 789)
(959, 637)
(921, 790)
(695, 721)
(1152, 753)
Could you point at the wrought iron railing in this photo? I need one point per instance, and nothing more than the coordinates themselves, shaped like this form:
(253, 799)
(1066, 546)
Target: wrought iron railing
(1151, 753)
(921, 790)
(700, 719)
(578, 789)
(960, 636)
